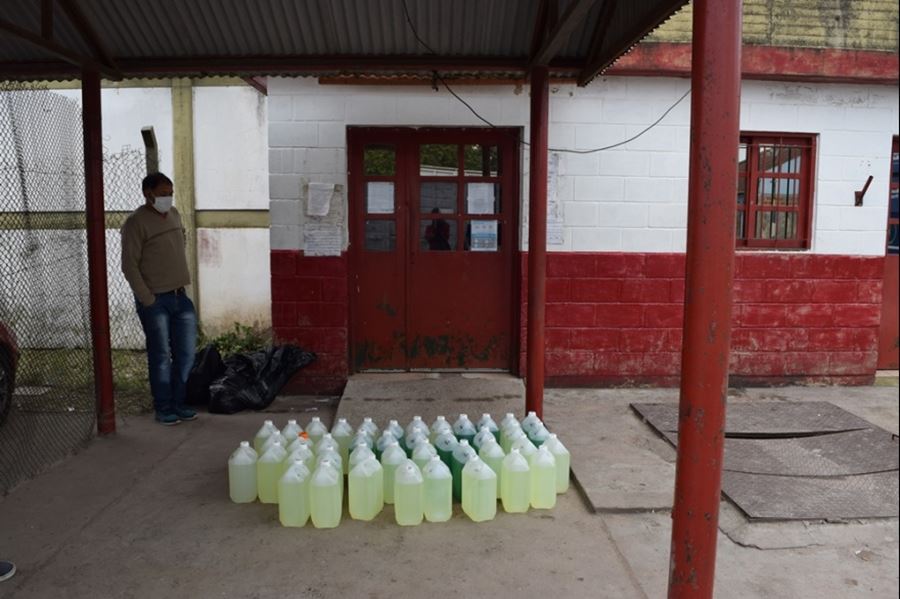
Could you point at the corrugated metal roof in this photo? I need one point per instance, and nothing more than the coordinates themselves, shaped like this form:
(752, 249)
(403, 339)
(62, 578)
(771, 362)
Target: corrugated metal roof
(201, 36)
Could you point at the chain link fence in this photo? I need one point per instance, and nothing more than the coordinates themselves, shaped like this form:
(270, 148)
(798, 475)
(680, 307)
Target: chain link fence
(44, 296)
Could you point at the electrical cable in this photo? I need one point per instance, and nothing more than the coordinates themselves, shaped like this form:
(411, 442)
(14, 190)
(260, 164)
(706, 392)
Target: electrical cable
(523, 142)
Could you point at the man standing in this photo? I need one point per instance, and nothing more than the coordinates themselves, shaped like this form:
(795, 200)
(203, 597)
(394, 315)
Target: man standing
(155, 265)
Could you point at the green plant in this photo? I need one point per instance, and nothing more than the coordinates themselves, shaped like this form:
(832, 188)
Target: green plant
(241, 338)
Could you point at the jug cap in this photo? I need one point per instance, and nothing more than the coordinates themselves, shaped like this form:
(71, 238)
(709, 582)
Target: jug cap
(316, 419)
(268, 422)
(292, 421)
(342, 420)
(245, 444)
(392, 422)
(464, 442)
(485, 416)
(464, 416)
(367, 419)
(532, 413)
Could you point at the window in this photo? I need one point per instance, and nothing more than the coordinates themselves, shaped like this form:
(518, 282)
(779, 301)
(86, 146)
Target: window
(774, 191)
(893, 228)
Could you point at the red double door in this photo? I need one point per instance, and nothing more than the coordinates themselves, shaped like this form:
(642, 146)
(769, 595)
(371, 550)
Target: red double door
(889, 334)
(433, 248)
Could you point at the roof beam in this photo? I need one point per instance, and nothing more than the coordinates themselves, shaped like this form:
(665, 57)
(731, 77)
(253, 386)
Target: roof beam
(258, 83)
(545, 18)
(57, 50)
(591, 60)
(562, 30)
(88, 34)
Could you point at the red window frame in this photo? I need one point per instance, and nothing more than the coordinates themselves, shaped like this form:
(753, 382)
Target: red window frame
(802, 180)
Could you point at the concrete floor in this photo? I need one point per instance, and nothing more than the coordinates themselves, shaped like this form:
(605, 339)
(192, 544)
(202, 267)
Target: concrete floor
(146, 514)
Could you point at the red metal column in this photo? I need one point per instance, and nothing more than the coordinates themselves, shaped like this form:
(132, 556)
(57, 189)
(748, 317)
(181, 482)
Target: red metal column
(715, 109)
(96, 242)
(537, 240)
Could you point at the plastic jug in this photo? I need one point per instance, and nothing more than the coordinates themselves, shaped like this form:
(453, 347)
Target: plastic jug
(392, 457)
(461, 455)
(242, 474)
(359, 454)
(316, 430)
(439, 425)
(414, 429)
(515, 483)
(530, 422)
(386, 438)
(361, 439)
(445, 444)
(268, 470)
(365, 488)
(342, 433)
(409, 494)
(332, 456)
(543, 479)
(464, 429)
(508, 419)
(422, 453)
(293, 495)
(539, 435)
(326, 495)
(262, 434)
(327, 442)
(395, 429)
(507, 434)
(479, 490)
(302, 453)
(369, 427)
(487, 421)
(290, 432)
(438, 491)
(300, 440)
(523, 444)
(271, 439)
(563, 462)
(413, 439)
(492, 455)
(483, 434)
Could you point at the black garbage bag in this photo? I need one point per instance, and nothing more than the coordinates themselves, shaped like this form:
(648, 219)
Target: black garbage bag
(251, 381)
(208, 366)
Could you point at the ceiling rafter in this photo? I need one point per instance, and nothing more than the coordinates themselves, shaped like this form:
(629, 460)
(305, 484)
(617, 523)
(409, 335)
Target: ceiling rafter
(597, 39)
(572, 18)
(88, 34)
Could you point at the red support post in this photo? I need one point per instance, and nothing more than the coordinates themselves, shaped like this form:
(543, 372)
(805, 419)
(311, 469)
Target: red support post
(715, 110)
(537, 240)
(96, 242)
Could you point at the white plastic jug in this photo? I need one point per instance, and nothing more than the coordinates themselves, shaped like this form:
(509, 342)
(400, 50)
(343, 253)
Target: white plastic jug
(438, 490)
(271, 439)
(242, 474)
(386, 438)
(530, 422)
(493, 455)
(524, 445)
(563, 462)
(508, 434)
(365, 488)
(267, 428)
(327, 442)
(392, 457)
(464, 429)
(423, 452)
(543, 479)
(539, 435)
(413, 439)
(342, 433)
(293, 495)
(369, 427)
(439, 426)
(268, 470)
(508, 419)
(479, 490)
(300, 441)
(409, 507)
(332, 456)
(326, 495)
(487, 421)
(360, 453)
(291, 431)
(316, 430)
(302, 453)
(417, 424)
(483, 435)
(395, 429)
(515, 483)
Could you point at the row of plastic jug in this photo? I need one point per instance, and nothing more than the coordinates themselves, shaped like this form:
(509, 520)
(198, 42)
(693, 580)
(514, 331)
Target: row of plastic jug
(524, 477)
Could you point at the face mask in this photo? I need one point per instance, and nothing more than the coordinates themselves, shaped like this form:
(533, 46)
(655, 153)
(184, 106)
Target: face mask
(163, 204)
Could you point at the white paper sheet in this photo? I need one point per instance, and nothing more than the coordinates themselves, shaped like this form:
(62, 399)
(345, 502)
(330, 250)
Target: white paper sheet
(480, 198)
(322, 239)
(380, 197)
(319, 200)
(483, 236)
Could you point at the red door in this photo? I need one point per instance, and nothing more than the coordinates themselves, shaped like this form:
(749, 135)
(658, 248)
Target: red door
(434, 241)
(889, 336)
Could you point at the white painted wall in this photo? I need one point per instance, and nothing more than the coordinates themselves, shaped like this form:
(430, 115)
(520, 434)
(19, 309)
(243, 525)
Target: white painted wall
(631, 198)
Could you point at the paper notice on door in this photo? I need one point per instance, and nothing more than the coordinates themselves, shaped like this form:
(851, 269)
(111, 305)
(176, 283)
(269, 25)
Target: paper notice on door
(380, 197)
(480, 198)
(321, 239)
(319, 199)
(483, 235)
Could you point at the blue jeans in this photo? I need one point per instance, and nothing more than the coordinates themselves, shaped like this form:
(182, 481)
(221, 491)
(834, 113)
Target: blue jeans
(170, 326)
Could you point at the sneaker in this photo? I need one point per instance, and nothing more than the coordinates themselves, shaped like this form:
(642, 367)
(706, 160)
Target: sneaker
(186, 414)
(7, 569)
(167, 418)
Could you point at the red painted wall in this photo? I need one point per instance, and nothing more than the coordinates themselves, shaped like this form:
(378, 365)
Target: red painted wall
(616, 318)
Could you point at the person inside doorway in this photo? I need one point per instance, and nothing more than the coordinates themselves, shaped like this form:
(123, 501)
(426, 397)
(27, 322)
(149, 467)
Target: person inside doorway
(437, 234)
(155, 265)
